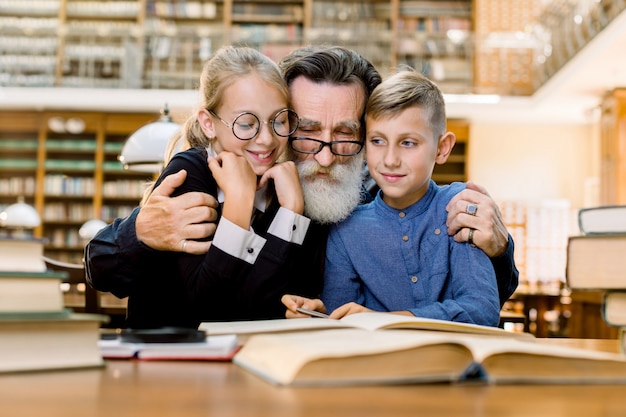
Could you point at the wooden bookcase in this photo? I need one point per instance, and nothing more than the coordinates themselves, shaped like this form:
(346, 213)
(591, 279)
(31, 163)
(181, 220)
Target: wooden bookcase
(435, 38)
(164, 43)
(455, 169)
(65, 165)
(503, 61)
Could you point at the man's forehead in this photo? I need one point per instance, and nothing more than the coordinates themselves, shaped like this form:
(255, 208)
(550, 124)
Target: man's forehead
(310, 123)
(325, 104)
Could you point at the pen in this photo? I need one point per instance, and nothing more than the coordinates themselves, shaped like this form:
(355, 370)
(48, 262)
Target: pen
(311, 313)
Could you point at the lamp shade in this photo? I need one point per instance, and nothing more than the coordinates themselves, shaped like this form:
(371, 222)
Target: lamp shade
(89, 229)
(20, 216)
(144, 149)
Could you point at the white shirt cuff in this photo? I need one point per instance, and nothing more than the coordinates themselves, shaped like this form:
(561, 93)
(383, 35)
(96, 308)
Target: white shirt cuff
(240, 243)
(289, 226)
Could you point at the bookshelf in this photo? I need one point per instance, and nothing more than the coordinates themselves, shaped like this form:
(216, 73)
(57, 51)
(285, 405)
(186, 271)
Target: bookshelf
(99, 43)
(364, 26)
(29, 42)
(18, 158)
(179, 37)
(435, 38)
(273, 27)
(65, 165)
(162, 44)
(504, 56)
(455, 169)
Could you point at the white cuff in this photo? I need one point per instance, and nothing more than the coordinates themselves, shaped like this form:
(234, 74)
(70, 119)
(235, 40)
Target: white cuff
(240, 243)
(289, 226)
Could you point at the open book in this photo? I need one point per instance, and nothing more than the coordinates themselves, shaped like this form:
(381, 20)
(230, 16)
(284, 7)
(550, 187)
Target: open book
(366, 321)
(357, 356)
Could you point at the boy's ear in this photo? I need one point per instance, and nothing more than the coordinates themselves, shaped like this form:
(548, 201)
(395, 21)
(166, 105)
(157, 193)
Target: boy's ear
(444, 147)
(206, 123)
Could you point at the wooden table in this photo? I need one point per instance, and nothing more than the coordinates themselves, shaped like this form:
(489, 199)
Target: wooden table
(189, 389)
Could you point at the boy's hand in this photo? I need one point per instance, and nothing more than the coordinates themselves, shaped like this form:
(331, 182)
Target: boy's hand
(292, 302)
(347, 309)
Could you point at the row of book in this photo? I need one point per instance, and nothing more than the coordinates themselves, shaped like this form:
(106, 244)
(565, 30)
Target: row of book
(596, 261)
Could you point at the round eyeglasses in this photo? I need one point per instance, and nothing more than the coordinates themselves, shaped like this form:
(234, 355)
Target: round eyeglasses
(247, 125)
(313, 146)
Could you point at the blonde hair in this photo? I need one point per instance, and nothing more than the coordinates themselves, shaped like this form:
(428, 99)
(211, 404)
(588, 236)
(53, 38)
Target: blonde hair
(227, 65)
(405, 89)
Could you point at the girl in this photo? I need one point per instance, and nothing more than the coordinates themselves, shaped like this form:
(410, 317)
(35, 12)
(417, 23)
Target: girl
(235, 139)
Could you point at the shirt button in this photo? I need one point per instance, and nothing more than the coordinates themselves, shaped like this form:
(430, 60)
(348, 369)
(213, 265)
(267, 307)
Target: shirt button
(293, 227)
(250, 250)
(437, 232)
(405, 238)
(402, 215)
(414, 279)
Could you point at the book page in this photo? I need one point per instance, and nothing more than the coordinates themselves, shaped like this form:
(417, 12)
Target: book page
(375, 321)
(268, 326)
(367, 321)
(514, 360)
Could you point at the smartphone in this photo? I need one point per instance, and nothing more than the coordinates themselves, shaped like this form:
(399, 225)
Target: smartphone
(312, 313)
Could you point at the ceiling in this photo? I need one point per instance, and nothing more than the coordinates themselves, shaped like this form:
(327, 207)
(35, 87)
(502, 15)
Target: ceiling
(570, 96)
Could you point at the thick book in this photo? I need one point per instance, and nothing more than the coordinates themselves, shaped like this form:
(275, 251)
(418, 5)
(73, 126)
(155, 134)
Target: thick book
(357, 356)
(602, 219)
(214, 348)
(38, 342)
(596, 262)
(614, 308)
(31, 291)
(367, 321)
(24, 255)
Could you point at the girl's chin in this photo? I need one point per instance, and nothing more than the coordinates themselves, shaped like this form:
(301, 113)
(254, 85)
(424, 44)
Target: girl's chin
(260, 170)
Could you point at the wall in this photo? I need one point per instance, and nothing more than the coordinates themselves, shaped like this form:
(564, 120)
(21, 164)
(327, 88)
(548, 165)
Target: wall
(543, 161)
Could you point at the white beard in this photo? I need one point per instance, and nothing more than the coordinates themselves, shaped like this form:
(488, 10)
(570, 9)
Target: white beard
(332, 199)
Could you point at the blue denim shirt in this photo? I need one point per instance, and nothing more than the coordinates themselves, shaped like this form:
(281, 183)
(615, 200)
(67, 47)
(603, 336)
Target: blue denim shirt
(393, 260)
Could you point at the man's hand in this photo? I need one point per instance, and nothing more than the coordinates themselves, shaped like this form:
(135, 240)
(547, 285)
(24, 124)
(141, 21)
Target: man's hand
(490, 233)
(169, 223)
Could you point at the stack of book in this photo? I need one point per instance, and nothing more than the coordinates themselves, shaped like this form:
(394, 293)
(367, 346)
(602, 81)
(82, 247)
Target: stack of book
(36, 331)
(596, 260)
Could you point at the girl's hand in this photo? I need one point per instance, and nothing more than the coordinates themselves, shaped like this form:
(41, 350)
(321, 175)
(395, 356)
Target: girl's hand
(287, 184)
(237, 180)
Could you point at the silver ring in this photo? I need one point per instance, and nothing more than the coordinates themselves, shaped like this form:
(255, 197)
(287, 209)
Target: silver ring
(470, 236)
(471, 209)
(184, 245)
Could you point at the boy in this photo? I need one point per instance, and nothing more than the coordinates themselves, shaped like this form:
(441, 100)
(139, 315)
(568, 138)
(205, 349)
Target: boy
(395, 254)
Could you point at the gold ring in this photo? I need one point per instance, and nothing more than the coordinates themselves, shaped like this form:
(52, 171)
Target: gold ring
(184, 245)
(470, 237)
(471, 209)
